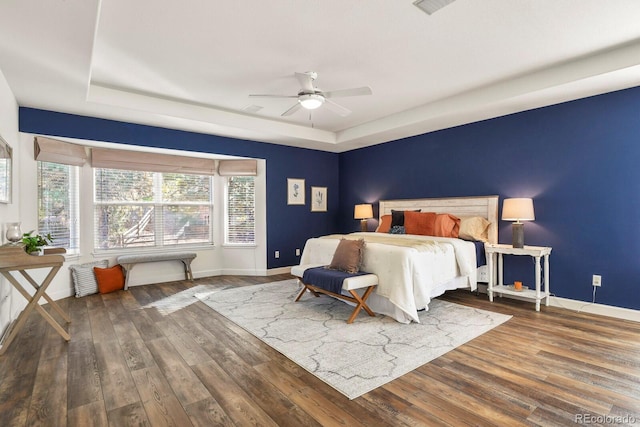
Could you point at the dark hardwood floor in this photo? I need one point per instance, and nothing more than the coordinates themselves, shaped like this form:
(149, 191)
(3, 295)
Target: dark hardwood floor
(157, 356)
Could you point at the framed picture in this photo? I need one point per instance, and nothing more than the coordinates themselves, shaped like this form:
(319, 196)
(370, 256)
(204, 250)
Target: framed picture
(318, 199)
(295, 191)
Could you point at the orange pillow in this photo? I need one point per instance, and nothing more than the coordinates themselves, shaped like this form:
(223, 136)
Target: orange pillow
(422, 223)
(385, 224)
(109, 279)
(446, 225)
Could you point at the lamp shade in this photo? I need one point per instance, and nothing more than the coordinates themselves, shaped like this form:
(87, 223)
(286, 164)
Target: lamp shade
(364, 211)
(518, 209)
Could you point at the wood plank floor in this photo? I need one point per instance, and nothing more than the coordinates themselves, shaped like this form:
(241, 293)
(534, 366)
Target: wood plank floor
(157, 356)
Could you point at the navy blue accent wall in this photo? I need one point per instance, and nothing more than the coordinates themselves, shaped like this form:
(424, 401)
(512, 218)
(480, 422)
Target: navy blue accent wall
(580, 161)
(288, 227)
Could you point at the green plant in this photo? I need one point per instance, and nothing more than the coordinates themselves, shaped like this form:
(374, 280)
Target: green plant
(33, 243)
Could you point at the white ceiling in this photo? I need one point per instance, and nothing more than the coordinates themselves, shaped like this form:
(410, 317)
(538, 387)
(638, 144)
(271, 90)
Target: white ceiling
(191, 64)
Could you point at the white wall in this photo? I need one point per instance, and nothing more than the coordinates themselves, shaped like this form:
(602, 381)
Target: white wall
(9, 212)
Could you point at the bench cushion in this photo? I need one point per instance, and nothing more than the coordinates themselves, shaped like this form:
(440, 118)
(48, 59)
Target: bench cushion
(169, 256)
(329, 280)
(353, 282)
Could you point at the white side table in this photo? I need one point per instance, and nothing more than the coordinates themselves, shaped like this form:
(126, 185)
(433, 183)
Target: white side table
(495, 252)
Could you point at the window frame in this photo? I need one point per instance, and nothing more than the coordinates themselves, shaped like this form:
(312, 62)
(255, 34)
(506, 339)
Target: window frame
(74, 204)
(159, 206)
(226, 241)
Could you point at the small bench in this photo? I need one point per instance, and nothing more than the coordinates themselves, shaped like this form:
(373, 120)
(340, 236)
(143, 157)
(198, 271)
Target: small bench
(129, 261)
(350, 284)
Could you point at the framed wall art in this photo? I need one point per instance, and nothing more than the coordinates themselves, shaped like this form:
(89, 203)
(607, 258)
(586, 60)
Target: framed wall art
(318, 199)
(295, 191)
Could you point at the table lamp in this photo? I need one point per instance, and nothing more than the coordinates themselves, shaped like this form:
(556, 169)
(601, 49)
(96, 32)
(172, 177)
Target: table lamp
(518, 209)
(363, 213)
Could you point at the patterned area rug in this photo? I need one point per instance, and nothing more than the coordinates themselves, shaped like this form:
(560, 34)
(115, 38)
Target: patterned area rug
(355, 358)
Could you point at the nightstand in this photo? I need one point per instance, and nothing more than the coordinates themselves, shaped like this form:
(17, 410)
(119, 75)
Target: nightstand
(495, 253)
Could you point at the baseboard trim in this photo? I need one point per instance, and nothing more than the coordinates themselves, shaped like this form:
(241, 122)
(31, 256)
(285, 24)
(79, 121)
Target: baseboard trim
(279, 270)
(595, 308)
(583, 306)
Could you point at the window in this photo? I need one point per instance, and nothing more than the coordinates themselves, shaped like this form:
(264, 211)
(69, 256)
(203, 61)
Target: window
(151, 209)
(240, 215)
(58, 207)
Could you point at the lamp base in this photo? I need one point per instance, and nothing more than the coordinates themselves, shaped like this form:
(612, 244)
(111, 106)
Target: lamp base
(363, 225)
(517, 235)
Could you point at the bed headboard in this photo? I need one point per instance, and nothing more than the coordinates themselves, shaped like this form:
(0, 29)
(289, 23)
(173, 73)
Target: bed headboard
(484, 206)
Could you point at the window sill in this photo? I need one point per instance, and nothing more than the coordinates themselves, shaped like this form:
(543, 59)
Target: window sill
(239, 246)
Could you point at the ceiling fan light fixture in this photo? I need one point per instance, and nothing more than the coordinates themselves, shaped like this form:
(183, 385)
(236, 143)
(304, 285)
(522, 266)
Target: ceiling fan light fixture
(311, 101)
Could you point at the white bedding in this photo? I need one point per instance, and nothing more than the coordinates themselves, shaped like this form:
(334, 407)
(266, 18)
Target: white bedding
(410, 273)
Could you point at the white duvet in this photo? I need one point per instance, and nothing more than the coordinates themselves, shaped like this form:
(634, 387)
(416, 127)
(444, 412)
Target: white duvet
(411, 269)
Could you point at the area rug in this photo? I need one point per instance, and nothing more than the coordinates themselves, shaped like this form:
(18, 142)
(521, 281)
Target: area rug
(355, 358)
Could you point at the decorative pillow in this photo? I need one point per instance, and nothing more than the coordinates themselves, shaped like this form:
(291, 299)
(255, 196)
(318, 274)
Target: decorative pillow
(397, 229)
(447, 225)
(385, 224)
(397, 217)
(474, 228)
(348, 256)
(421, 223)
(84, 280)
(109, 279)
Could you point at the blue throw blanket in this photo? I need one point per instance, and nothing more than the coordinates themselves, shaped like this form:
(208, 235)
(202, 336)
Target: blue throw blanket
(329, 280)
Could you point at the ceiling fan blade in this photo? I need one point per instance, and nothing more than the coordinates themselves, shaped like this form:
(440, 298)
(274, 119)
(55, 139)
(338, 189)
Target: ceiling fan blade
(306, 82)
(272, 96)
(337, 108)
(365, 90)
(292, 110)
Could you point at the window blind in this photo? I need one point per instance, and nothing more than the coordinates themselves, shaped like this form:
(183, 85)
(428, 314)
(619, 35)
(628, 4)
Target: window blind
(58, 204)
(240, 210)
(151, 209)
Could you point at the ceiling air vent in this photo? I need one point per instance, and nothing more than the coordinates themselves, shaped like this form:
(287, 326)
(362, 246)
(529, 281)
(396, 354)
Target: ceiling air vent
(431, 6)
(252, 108)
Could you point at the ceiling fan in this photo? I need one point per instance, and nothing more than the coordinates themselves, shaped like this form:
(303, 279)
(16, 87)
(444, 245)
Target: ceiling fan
(310, 97)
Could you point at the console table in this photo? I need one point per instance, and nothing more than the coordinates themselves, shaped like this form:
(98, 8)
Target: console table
(536, 252)
(14, 258)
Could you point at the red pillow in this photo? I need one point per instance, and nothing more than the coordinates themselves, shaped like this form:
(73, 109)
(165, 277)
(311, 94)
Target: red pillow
(385, 224)
(446, 225)
(422, 223)
(109, 279)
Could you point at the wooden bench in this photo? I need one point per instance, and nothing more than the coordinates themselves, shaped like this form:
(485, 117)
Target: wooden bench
(129, 261)
(368, 282)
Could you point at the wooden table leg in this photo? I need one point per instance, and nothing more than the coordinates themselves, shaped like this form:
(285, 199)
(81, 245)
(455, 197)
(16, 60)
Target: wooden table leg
(51, 302)
(33, 304)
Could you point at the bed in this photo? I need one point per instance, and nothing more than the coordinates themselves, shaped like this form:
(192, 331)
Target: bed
(414, 269)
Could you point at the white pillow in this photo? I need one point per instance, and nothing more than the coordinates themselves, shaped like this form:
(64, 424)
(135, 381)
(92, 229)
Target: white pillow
(84, 279)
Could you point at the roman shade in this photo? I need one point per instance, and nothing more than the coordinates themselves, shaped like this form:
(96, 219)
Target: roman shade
(5, 150)
(244, 167)
(151, 162)
(55, 151)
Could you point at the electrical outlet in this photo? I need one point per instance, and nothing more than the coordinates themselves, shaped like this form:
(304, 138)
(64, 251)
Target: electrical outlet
(277, 255)
(597, 280)
(297, 252)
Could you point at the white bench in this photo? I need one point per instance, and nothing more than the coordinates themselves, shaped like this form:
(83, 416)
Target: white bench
(368, 282)
(129, 261)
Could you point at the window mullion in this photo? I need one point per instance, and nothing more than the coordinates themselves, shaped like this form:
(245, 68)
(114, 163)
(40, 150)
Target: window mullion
(158, 208)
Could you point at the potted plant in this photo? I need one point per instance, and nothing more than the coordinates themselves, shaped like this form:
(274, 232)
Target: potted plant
(33, 243)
